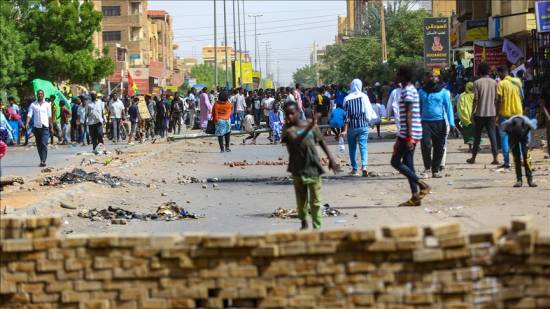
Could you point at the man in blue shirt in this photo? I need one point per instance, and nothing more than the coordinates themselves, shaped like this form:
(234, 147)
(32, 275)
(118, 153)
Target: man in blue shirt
(436, 112)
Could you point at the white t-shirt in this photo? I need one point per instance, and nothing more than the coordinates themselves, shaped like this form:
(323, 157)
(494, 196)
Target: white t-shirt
(268, 105)
(42, 114)
(240, 103)
(248, 123)
(116, 109)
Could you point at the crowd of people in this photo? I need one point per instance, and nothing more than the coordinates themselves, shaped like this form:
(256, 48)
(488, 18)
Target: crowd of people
(426, 112)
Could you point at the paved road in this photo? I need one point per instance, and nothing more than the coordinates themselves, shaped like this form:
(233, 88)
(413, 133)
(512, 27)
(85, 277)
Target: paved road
(23, 161)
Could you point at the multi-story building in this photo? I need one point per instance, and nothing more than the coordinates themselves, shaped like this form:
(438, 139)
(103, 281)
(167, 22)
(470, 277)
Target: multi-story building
(184, 65)
(208, 55)
(140, 42)
(439, 8)
(354, 22)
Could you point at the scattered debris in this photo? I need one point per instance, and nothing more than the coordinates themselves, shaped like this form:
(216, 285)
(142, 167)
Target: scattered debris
(78, 175)
(188, 179)
(119, 221)
(167, 211)
(10, 180)
(284, 213)
(47, 170)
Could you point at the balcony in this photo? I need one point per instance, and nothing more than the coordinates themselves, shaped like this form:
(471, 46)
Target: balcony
(517, 24)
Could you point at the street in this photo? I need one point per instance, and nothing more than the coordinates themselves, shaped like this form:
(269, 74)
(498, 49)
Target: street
(479, 197)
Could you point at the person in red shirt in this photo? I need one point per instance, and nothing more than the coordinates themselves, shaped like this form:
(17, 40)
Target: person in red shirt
(221, 115)
(65, 120)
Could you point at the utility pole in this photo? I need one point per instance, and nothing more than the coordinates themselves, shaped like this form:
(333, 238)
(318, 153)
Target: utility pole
(234, 48)
(244, 29)
(267, 43)
(225, 45)
(383, 33)
(255, 43)
(315, 64)
(215, 49)
(240, 81)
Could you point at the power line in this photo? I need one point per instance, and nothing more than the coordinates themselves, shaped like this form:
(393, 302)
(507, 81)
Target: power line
(267, 22)
(264, 33)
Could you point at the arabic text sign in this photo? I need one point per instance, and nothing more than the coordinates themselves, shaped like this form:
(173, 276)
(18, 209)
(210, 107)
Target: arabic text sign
(542, 12)
(436, 42)
(490, 52)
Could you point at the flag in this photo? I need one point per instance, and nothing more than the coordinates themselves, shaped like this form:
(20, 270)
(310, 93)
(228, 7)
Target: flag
(49, 89)
(512, 51)
(132, 86)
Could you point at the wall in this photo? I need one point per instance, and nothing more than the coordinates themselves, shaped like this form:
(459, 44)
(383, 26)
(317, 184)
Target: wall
(402, 267)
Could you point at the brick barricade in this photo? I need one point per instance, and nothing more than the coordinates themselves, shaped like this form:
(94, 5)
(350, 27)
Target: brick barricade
(401, 267)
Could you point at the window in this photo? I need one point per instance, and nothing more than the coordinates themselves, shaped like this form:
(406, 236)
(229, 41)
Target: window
(135, 8)
(110, 10)
(120, 54)
(109, 36)
(135, 34)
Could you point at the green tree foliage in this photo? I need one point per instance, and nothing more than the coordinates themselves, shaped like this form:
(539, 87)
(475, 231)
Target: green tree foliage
(51, 39)
(360, 56)
(306, 76)
(12, 71)
(59, 42)
(205, 74)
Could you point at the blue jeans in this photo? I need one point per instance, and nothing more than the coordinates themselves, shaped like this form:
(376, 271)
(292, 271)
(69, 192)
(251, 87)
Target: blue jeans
(504, 141)
(403, 161)
(355, 136)
(239, 116)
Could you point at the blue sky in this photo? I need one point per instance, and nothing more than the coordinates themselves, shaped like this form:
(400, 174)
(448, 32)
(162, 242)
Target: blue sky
(291, 27)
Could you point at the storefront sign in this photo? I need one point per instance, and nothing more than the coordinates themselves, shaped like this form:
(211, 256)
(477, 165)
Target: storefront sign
(436, 42)
(542, 12)
(490, 52)
(477, 30)
(134, 56)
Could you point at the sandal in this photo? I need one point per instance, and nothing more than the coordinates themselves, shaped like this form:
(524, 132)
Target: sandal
(411, 203)
(354, 173)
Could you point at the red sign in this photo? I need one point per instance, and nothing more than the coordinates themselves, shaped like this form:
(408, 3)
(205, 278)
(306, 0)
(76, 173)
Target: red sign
(156, 69)
(115, 77)
(143, 85)
(490, 52)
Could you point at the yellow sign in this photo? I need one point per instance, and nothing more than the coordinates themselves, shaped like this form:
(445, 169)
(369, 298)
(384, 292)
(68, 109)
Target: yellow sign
(268, 83)
(256, 74)
(172, 88)
(436, 70)
(247, 74)
(143, 110)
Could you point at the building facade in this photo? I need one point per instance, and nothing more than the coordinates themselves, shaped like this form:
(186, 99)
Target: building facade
(140, 42)
(209, 55)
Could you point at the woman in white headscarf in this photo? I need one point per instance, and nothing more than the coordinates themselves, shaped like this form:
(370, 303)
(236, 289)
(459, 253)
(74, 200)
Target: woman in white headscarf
(359, 115)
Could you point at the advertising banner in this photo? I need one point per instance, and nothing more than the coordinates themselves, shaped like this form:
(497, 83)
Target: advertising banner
(477, 30)
(542, 13)
(142, 108)
(436, 42)
(490, 52)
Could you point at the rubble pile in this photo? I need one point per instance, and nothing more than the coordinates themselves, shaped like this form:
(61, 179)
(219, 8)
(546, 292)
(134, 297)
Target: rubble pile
(78, 175)
(168, 211)
(285, 213)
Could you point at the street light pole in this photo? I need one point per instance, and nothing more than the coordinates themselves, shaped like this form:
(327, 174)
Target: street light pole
(225, 45)
(215, 48)
(240, 81)
(383, 33)
(255, 42)
(244, 30)
(234, 48)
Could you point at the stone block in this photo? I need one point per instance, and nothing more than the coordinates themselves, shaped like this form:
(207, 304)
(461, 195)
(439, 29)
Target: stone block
(44, 243)
(400, 231)
(266, 251)
(360, 267)
(152, 303)
(457, 253)
(522, 223)
(219, 241)
(293, 248)
(274, 302)
(443, 229)
(16, 245)
(382, 245)
(408, 243)
(427, 255)
(86, 285)
(362, 235)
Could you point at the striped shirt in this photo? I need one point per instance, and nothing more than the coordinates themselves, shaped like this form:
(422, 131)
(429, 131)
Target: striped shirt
(409, 95)
(355, 113)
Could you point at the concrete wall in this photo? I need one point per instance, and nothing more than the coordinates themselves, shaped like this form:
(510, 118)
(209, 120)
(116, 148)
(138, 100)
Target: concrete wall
(398, 267)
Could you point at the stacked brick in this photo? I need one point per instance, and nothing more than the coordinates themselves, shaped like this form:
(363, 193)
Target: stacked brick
(400, 267)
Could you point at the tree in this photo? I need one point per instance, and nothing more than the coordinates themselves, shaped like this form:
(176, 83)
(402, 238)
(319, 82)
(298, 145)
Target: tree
(360, 56)
(12, 71)
(205, 74)
(59, 42)
(306, 76)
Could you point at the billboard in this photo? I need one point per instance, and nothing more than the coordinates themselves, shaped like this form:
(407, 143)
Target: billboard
(436, 42)
(247, 73)
(477, 30)
(490, 52)
(542, 14)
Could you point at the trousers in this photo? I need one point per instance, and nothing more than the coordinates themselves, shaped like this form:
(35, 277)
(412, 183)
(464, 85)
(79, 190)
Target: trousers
(403, 161)
(358, 136)
(434, 135)
(308, 193)
(96, 133)
(487, 123)
(519, 148)
(42, 135)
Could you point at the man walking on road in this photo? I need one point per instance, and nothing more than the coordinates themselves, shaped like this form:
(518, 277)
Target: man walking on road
(359, 113)
(240, 108)
(409, 134)
(436, 107)
(42, 125)
(484, 112)
(509, 104)
(116, 109)
(94, 116)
